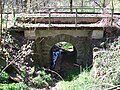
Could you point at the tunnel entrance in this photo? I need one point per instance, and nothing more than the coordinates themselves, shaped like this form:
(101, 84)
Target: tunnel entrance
(63, 57)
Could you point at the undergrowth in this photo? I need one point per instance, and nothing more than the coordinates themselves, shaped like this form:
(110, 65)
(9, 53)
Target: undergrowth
(83, 82)
(14, 86)
(105, 74)
(4, 77)
(17, 52)
(106, 65)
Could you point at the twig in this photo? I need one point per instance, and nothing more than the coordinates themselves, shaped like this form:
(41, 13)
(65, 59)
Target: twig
(41, 40)
(7, 66)
(98, 4)
(114, 87)
(103, 84)
(108, 73)
(54, 73)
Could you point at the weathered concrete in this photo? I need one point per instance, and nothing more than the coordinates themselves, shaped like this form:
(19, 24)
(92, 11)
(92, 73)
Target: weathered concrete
(97, 34)
(53, 33)
(34, 34)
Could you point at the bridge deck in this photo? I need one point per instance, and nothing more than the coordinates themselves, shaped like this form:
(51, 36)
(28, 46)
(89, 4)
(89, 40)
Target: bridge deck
(76, 17)
(60, 25)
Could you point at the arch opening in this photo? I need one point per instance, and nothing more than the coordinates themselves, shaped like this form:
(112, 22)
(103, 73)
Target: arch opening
(63, 56)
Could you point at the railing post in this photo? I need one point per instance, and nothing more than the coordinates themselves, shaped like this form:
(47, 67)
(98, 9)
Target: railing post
(76, 17)
(94, 9)
(14, 16)
(49, 19)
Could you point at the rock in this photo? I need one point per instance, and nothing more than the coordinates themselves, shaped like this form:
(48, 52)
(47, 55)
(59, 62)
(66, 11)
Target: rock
(95, 49)
(15, 77)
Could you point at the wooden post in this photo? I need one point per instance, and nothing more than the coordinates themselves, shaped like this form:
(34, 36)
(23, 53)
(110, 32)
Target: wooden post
(71, 5)
(49, 19)
(82, 2)
(14, 16)
(112, 12)
(76, 18)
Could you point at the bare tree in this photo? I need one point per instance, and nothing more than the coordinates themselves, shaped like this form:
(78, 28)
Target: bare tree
(1, 11)
(108, 21)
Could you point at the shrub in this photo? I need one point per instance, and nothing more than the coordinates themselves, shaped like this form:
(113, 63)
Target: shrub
(84, 82)
(4, 77)
(42, 79)
(13, 86)
(104, 74)
(107, 65)
(21, 86)
(7, 87)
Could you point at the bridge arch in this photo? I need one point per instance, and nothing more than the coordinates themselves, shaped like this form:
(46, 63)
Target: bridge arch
(66, 57)
(43, 47)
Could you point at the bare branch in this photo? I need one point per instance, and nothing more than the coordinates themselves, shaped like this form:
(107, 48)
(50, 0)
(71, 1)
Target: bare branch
(98, 4)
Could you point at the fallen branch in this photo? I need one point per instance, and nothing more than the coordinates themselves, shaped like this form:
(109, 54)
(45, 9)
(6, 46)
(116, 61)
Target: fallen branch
(54, 73)
(7, 66)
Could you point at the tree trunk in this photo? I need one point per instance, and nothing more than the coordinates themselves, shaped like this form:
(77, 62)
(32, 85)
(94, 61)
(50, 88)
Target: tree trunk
(0, 5)
(82, 4)
(1, 11)
(0, 20)
(71, 5)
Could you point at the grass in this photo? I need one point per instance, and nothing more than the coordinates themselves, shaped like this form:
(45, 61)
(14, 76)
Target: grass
(14, 86)
(107, 64)
(83, 82)
(104, 75)
(71, 74)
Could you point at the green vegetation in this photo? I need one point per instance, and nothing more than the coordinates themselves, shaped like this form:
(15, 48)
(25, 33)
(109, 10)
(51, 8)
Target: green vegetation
(107, 64)
(42, 79)
(4, 77)
(105, 73)
(65, 45)
(14, 86)
(83, 82)
(71, 74)
(6, 85)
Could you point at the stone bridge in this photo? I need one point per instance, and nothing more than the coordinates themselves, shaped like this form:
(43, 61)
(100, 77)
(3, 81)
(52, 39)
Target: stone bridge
(80, 38)
(47, 29)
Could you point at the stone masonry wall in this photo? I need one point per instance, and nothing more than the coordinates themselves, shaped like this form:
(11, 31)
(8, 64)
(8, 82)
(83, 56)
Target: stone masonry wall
(43, 46)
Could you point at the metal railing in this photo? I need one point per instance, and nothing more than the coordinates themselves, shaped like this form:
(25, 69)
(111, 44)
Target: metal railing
(61, 12)
(61, 9)
(53, 9)
(68, 9)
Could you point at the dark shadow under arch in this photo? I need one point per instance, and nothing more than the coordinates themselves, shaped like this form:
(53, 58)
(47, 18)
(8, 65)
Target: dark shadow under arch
(66, 59)
(65, 65)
